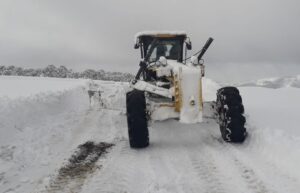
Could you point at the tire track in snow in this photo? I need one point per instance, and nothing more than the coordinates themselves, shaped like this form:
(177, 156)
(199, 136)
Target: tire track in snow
(169, 160)
(247, 173)
(164, 173)
(184, 163)
(287, 182)
(119, 178)
(187, 180)
(267, 170)
(220, 168)
(253, 181)
(207, 171)
(208, 161)
(258, 175)
(122, 172)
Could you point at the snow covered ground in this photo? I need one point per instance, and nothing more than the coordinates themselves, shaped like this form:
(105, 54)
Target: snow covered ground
(43, 120)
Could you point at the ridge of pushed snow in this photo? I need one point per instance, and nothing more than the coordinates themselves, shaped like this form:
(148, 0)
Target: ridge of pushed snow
(32, 117)
(43, 124)
(273, 124)
(13, 87)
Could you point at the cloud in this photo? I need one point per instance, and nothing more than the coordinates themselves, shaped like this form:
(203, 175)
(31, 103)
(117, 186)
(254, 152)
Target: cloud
(99, 34)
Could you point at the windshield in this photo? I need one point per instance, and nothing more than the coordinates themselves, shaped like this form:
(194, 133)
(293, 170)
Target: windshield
(169, 48)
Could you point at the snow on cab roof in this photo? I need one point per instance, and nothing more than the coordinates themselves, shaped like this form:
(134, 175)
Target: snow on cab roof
(158, 33)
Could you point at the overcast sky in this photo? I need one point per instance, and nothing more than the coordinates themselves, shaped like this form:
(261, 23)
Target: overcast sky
(258, 37)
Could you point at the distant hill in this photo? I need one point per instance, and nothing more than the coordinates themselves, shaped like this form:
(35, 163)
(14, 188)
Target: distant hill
(276, 82)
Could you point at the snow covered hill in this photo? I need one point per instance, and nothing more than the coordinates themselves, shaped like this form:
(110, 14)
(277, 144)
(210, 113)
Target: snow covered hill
(44, 120)
(276, 82)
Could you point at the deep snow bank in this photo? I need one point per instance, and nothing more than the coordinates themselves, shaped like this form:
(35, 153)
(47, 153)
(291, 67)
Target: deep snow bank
(33, 115)
(13, 87)
(273, 125)
(29, 101)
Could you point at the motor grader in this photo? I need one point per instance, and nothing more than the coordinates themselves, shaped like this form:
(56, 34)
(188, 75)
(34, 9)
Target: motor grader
(167, 86)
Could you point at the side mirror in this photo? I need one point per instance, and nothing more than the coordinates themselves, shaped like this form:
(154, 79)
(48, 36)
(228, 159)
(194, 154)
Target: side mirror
(188, 43)
(136, 46)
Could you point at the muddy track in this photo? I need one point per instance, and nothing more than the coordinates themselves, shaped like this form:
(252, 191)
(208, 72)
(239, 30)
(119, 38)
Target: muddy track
(82, 163)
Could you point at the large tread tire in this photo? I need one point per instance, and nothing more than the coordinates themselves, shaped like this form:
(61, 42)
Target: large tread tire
(137, 119)
(230, 111)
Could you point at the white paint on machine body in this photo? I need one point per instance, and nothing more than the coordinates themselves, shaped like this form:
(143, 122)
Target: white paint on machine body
(190, 91)
(190, 77)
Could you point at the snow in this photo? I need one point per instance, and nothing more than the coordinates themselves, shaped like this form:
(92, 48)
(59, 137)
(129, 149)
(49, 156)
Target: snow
(13, 87)
(146, 86)
(190, 94)
(273, 115)
(34, 112)
(43, 122)
(151, 33)
(276, 82)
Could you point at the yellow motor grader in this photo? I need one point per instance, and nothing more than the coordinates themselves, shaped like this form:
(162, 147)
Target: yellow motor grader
(167, 86)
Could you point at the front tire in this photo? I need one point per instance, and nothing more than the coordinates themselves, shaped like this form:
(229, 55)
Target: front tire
(137, 119)
(230, 111)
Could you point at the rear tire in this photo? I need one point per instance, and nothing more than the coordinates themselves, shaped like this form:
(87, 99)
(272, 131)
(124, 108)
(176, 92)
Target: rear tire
(136, 119)
(230, 111)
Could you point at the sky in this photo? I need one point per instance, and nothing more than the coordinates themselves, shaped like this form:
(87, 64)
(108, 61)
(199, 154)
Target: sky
(253, 38)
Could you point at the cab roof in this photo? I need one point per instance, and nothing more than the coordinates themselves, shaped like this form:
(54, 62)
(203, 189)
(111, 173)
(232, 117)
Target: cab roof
(161, 34)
